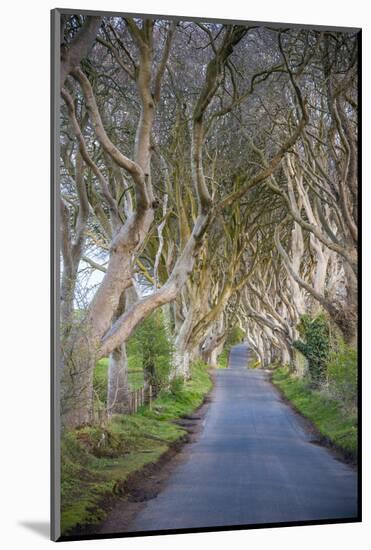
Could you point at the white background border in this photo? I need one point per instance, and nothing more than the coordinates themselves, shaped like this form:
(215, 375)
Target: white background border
(24, 201)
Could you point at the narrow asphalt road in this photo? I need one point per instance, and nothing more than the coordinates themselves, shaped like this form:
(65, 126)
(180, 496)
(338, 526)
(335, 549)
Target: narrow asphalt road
(253, 463)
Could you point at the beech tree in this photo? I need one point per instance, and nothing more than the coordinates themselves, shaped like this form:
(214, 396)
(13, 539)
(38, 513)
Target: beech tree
(208, 170)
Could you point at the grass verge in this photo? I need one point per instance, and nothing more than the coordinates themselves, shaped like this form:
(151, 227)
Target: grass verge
(95, 461)
(337, 427)
(223, 359)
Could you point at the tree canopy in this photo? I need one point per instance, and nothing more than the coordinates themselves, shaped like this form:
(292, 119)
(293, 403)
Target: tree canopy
(209, 170)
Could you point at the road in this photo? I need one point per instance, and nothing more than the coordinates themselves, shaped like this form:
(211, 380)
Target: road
(253, 463)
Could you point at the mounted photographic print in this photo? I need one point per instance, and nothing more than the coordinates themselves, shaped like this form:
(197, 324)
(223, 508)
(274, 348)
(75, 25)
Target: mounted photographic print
(204, 211)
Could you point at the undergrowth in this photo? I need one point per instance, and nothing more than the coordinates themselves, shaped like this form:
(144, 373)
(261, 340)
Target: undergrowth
(96, 460)
(335, 423)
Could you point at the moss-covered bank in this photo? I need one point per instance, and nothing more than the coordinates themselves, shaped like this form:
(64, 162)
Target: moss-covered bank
(97, 460)
(337, 426)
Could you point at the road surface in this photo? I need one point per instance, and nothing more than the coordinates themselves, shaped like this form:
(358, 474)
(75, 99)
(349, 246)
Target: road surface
(253, 463)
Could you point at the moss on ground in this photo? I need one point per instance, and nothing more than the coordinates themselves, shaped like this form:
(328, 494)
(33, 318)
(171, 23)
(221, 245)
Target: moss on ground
(94, 460)
(332, 421)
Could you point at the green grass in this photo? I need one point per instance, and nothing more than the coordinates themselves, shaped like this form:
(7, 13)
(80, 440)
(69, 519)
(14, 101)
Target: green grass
(331, 420)
(94, 460)
(223, 359)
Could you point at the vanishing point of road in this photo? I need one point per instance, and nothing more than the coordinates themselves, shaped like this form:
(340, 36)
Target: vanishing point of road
(253, 463)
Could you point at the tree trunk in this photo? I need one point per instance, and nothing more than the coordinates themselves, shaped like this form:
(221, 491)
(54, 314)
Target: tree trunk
(68, 284)
(77, 384)
(118, 382)
(285, 356)
(182, 363)
(118, 377)
(214, 354)
(349, 324)
(181, 354)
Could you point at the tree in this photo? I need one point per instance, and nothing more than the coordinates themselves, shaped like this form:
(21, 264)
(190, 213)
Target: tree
(204, 170)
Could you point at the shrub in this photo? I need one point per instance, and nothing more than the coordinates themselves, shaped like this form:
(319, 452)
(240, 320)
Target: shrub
(314, 345)
(155, 348)
(342, 374)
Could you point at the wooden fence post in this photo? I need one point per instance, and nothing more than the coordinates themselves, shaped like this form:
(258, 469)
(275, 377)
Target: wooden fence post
(138, 398)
